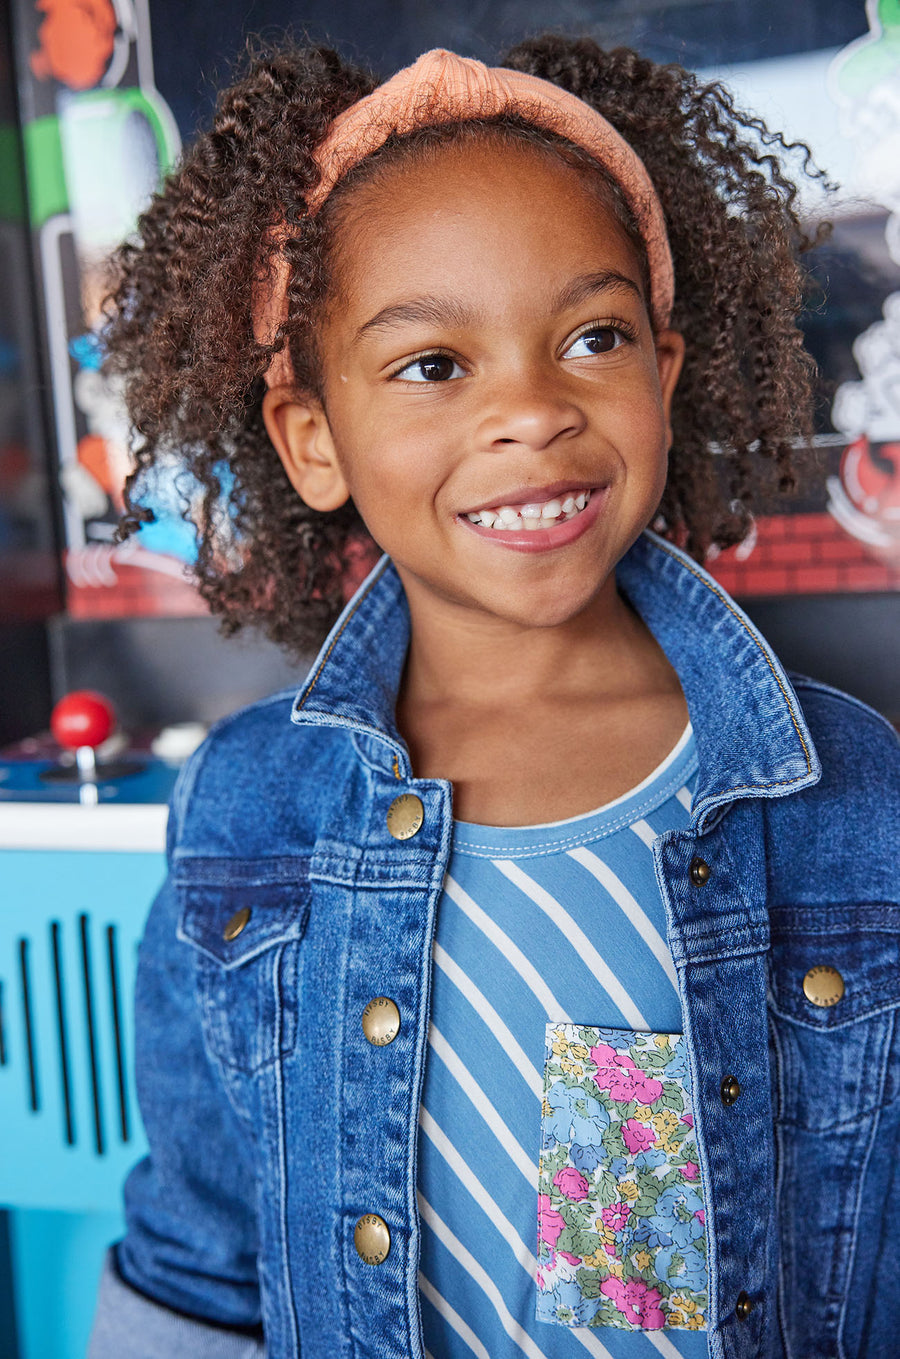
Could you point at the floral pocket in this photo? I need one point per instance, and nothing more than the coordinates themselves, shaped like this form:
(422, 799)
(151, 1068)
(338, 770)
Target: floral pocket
(621, 1236)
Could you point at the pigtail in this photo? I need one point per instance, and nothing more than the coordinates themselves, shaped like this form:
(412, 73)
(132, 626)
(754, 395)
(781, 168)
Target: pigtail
(746, 391)
(180, 337)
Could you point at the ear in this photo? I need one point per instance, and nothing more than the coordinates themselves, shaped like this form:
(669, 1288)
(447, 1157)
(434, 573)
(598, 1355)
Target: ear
(669, 358)
(299, 429)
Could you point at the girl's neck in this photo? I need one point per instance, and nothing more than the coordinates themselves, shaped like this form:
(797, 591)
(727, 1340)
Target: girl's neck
(537, 724)
(462, 656)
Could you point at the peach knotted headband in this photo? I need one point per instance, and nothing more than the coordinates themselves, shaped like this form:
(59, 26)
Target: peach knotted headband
(444, 88)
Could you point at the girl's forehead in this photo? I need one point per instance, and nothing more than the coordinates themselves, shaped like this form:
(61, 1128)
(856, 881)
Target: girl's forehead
(495, 209)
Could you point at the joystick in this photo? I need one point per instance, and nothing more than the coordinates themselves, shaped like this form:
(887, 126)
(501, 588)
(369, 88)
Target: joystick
(81, 722)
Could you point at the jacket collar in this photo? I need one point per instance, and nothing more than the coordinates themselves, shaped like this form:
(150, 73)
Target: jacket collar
(752, 739)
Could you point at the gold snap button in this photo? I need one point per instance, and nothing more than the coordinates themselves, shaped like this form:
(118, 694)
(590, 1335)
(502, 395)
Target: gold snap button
(372, 1239)
(699, 872)
(381, 1021)
(743, 1307)
(405, 816)
(236, 924)
(823, 986)
(729, 1090)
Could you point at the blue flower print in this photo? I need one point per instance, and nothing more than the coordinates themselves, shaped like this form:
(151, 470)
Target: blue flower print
(649, 1160)
(586, 1159)
(674, 1223)
(576, 1117)
(689, 1273)
(569, 1306)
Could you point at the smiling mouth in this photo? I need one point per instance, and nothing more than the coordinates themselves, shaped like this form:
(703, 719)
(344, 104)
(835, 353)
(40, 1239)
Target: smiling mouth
(536, 515)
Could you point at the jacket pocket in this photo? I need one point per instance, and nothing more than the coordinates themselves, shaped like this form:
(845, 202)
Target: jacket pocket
(834, 990)
(834, 996)
(621, 1220)
(246, 935)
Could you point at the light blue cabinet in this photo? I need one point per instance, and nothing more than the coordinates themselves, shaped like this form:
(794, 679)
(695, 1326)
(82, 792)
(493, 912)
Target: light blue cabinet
(75, 887)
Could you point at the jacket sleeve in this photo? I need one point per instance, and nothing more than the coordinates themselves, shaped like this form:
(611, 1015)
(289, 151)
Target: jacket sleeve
(191, 1205)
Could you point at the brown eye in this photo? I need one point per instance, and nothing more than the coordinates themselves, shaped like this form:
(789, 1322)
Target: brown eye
(430, 368)
(600, 340)
(436, 368)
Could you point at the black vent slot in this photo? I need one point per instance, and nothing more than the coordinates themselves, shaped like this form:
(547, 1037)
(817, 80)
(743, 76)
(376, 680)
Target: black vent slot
(24, 976)
(61, 1033)
(91, 1034)
(115, 1005)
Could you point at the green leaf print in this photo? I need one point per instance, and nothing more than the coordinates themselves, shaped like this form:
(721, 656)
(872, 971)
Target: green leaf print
(589, 1281)
(605, 1189)
(578, 1241)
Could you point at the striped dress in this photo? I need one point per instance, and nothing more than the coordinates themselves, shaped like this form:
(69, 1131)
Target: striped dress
(559, 1185)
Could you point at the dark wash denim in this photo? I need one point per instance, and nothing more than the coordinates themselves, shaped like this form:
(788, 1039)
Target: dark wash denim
(274, 1125)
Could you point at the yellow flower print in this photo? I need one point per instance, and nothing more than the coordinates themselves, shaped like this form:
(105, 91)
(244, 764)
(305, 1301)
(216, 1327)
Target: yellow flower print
(675, 1318)
(642, 1112)
(573, 1068)
(579, 1051)
(666, 1124)
(686, 1304)
(546, 1111)
(560, 1044)
(696, 1322)
(616, 1268)
(661, 1040)
(628, 1190)
(642, 1259)
(598, 1260)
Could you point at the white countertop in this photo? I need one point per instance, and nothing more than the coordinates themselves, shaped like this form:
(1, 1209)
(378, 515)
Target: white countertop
(126, 828)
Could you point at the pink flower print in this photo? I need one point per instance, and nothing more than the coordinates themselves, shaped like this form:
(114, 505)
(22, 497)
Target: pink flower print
(550, 1222)
(617, 1073)
(700, 1215)
(637, 1136)
(572, 1259)
(540, 1280)
(572, 1183)
(636, 1301)
(615, 1216)
(688, 1119)
(690, 1170)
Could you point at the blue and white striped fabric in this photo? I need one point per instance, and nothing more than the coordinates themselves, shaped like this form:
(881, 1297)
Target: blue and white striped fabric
(559, 923)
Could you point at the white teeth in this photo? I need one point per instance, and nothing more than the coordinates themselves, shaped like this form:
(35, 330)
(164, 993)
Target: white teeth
(531, 516)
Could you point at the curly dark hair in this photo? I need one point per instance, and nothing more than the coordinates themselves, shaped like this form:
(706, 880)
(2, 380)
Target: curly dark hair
(180, 329)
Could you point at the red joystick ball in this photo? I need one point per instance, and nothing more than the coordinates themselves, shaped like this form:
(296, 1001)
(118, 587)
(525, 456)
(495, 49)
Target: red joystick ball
(83, 718)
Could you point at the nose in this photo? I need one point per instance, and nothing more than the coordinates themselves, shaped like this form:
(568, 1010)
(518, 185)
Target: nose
(529, 409)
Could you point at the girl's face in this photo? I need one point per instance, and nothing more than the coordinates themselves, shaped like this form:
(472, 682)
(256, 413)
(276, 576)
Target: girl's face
(489, 364)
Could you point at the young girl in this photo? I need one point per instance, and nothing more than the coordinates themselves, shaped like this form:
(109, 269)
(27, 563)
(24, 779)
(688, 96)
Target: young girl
(526, 985)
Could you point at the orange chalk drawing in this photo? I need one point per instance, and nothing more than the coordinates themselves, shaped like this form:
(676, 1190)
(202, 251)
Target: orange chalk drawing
(76, 41)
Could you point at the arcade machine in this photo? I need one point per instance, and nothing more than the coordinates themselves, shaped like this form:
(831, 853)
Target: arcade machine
(82, 838)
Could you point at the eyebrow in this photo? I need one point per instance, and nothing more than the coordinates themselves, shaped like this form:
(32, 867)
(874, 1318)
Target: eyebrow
(445, 312)
(439, 311)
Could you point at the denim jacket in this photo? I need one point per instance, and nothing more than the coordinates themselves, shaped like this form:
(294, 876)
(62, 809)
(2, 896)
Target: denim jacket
(274, 1125)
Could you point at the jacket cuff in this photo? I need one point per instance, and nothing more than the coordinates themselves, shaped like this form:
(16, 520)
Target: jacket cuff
(129, 1326)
